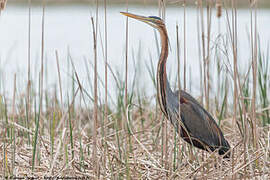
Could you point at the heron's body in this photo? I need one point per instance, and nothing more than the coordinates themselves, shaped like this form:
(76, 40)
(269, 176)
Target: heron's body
(198, 123)
(196, 126)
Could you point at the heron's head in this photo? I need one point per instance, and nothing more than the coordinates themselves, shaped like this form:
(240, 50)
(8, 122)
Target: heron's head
(153, 21)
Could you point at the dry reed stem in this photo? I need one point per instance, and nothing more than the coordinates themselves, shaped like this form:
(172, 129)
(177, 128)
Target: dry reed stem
(204, 59)
(106, 72)
(60, 140)
(95, 115)
(254, 73)
(219, 8)
(166, 122)
(126, 93)
(126, 60)
(20, 127)
(208, 56)
(59, 77)
(178, 76)
(185, 47)
(2, 5)
(105, 108)
(199, 51)
(178, 68)
(42, 56)
(234, 47)
(29, 59)
(13, 129)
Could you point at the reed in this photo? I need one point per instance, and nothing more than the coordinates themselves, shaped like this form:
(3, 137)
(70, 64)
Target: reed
(2, 5)
(185, 46)
(95, 116)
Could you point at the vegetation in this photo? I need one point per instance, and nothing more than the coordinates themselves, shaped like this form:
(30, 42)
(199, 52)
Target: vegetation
(77, 133)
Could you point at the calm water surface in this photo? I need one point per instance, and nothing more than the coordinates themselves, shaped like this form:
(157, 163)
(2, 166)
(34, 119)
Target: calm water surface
(68, 28)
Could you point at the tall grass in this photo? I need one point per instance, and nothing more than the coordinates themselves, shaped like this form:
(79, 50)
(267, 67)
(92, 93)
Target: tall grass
(95, 117)
(80, 133)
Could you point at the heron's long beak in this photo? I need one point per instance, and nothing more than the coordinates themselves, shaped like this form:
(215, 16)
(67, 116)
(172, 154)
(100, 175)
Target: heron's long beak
(134, 16)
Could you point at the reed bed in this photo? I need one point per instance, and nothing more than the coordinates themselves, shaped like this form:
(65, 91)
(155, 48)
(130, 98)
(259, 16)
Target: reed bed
(49, 134)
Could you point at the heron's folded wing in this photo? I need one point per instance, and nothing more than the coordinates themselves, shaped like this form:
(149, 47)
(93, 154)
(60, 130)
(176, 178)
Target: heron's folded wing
(197, 121)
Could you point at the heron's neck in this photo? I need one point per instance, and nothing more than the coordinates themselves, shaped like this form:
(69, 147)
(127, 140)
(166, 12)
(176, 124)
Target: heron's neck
(163, 86)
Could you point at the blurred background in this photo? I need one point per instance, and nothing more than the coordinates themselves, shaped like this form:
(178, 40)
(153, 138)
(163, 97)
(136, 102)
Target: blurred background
(67, 29)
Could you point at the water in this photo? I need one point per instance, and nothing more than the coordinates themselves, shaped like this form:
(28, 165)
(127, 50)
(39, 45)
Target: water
(68, 28)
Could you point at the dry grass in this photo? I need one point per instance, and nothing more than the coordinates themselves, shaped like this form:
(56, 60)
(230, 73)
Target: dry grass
(145, 151)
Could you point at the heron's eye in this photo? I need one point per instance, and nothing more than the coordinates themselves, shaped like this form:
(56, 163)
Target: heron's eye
(155, 17)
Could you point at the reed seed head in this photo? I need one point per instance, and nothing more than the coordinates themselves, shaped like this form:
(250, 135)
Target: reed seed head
(219, 8)
(2, 4)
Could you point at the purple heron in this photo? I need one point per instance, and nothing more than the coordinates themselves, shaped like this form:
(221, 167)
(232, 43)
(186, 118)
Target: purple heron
(197, 126)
